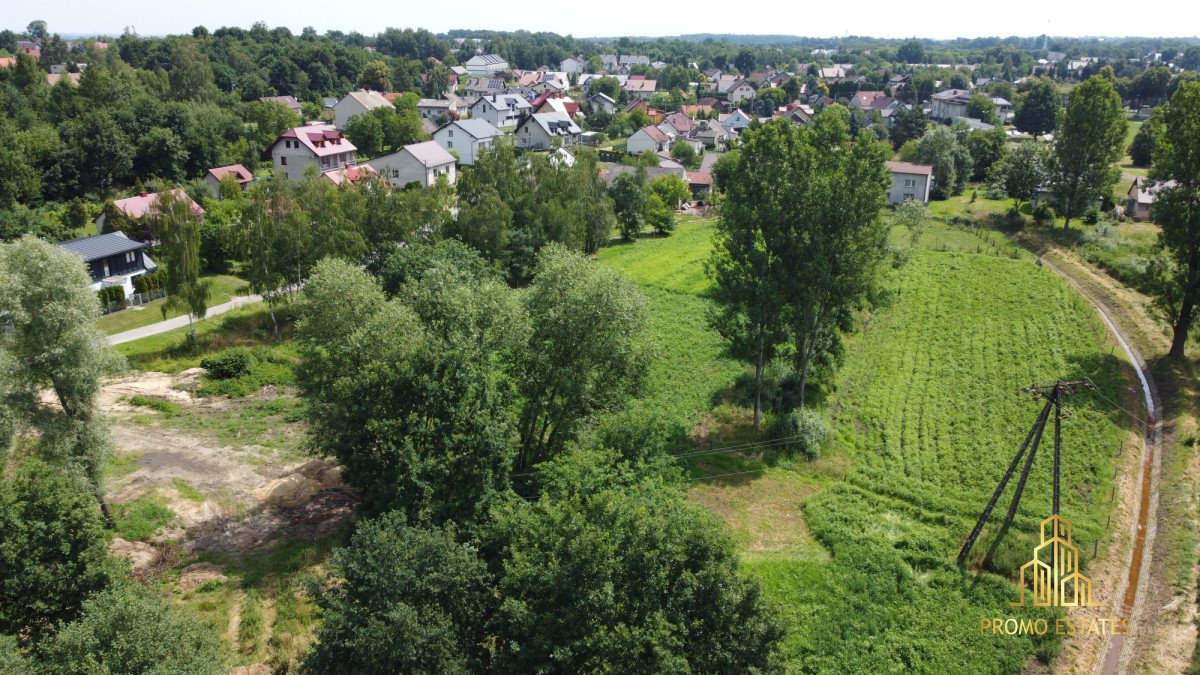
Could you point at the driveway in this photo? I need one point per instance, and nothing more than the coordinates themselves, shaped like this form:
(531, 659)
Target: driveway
(179, 321)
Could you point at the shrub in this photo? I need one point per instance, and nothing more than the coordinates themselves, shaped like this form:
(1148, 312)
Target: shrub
(149, 282)
(112, 294)
(805, 430)
(1042, 214)
(1091, 216)
(228, 364)
(962, 220)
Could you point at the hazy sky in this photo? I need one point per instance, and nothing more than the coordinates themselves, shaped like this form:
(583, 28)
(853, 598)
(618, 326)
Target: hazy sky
(933, 19)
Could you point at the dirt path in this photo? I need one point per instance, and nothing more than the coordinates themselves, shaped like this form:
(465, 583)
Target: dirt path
(1140, 576)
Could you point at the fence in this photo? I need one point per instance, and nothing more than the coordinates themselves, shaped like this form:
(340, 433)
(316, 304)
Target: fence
(135, 301)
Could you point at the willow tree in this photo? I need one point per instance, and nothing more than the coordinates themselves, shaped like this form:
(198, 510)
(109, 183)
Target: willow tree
(49, 342)
(177, 226)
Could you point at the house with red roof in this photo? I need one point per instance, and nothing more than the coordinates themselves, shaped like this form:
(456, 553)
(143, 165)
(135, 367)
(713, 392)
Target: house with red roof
(318, 145)
(648, 138)
(910, 181)
(139, 206)
(640, 88)
(349, 175)
(213, 177)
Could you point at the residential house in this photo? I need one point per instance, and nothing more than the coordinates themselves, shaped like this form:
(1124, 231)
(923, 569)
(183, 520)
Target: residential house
(8, 62)
(53, 78)
(421, 163)
(484, 86)
(648, 138)
(742, 90)
(640, 88)
(1140, 197)
(356, 103)
(112, 259)
(910, 181)
(898, 82)
(434, 108)
(139, 206)
(735, 121)
(1003, 106)
(60, 68)
(712, 134)
(614, 63)
(486, 64)
(348, 175)
(677, 124)
(949, 104)
(724, 83)
(865, 100)
(551, 102)
(573, 64)
(502, 111)
(700, 183)
(467, 138)
(317, 145)
(602, 102)
(541, 130)
(697, 110)
(29, 47)
(658, 65)
(213, 177)
(289, 101)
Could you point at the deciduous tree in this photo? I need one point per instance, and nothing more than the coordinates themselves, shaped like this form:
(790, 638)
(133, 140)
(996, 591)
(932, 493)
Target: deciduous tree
(178, 230)
(1037, 113)
(1089, 141)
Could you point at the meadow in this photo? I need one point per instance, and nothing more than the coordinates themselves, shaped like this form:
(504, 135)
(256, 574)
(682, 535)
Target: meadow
(858, 548)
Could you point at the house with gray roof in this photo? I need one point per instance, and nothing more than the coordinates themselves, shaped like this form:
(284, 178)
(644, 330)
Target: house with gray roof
(502, 111)
(540, 131)
(468, 138)
(420, 163)
(356, 103)
(112, 259)
(486, 64)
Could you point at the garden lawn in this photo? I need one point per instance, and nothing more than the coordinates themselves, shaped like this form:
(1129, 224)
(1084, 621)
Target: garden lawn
(224, 287)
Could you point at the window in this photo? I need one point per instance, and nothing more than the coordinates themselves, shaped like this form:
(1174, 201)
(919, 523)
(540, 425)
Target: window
(449, 144)
(450, 133)
(910, 182)
(283, 161)
(909, 195)
(129, 257)
(395, 173)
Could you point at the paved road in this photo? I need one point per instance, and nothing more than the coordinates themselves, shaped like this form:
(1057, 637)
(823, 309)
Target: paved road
(179, 321)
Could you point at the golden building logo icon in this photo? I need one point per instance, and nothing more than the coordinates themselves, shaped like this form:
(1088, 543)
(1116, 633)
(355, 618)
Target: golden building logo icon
(1054, 570)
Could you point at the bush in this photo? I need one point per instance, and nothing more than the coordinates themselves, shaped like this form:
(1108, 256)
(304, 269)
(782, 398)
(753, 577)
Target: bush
(151, 281)
(228, 364)
(112, 294)
(1091, 216)
(1042, 214)
(805, 430)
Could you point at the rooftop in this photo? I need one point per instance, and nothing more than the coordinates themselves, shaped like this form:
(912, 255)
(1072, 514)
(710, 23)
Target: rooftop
(101, 246)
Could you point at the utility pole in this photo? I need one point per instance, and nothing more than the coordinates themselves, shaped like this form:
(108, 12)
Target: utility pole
(1053, 395)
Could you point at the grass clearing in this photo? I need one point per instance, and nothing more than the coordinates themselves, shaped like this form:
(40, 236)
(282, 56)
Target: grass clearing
(167, 408)
(171, 352)
(187, 490)
(119, 465)
(224, 288)
(139, 519)
(856, 549)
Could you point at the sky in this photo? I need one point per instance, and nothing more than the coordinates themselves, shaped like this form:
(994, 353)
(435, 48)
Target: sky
(937, 19)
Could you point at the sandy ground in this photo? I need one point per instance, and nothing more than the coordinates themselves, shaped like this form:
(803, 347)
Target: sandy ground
(235, 513)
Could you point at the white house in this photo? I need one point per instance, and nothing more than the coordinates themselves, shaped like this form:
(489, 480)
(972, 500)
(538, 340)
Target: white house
(949, 103)
(640, 88)
(317, 145)
(213, 177)
(486, 64)
(539, 131)
(467, 138)
(741, 91)
(735, 121)
(648, 138)
(677, 124)
(421, 163)
(602, 101)
(501, 110)
(357, 103)
(573, 64)
(909, 181)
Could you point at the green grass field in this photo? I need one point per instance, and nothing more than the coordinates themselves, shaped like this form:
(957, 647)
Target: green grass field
(224, 287)
(857, 548)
